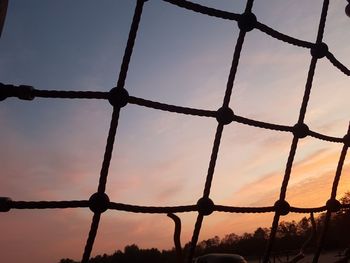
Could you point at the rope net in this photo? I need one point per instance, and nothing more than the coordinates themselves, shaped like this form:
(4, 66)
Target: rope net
(118, 97)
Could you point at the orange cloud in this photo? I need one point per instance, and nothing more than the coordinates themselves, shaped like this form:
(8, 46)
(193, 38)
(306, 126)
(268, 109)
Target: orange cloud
(266, 189)
(311, 183)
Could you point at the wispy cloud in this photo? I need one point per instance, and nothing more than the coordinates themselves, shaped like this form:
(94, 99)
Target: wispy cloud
(265, 190)
(311, 183)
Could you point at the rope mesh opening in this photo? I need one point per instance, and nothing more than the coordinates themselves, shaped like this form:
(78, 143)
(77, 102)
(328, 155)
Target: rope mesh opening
(118, 97)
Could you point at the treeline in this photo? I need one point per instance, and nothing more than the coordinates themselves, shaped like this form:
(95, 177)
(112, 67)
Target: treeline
(290, 237)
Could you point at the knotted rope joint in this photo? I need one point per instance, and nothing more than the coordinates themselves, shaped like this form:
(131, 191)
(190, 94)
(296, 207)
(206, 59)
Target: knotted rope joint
(319, 50)
(301, 130)
(23, 92)
(118, 97)
(225, 115)
(205, 206)
(99, 202)
(247, 22)
(333, 205)
(282, 207)
(5, 204)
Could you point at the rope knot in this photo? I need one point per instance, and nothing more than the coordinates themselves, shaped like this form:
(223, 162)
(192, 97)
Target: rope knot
(99, 202)
(282, 207)
(205, 206)
(333, 205)
(5, 204)
(346, 140)
(347, 9)
(118, 97)
(23, 92)
(301, 130)
(247, 22)
(319, 50)
(224, 115)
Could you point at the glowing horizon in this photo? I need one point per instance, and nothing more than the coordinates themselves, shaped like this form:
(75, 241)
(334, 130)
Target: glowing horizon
(54, 148)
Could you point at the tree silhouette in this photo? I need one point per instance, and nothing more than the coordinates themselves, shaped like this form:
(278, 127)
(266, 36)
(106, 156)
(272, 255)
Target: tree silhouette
(292, 237)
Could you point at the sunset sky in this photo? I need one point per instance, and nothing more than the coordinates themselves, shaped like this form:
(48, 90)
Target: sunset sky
(52, 149)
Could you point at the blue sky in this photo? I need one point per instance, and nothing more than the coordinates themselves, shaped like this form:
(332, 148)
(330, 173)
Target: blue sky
(53, 149)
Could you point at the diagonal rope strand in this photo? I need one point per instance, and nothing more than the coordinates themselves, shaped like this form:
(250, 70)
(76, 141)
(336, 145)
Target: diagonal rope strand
(294, 145)
(219, 130)
(113, 126)
(332, 200)
(108, 151)
(91, 238)
(203, 9)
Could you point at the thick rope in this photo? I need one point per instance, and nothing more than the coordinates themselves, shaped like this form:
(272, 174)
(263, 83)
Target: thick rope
(171, 108)
(177, 237)
(194, 239)
(219, 130)
(157, 209)
(114, 125)
(152, 209)
(70, 94)
(91, 238)
(331, 199)
(282, 37)
(3, 12)
(108, 151)
(203, 9)
(20, 92)
(29, 93)
(234, 67)
(294, 145)
(48, 204)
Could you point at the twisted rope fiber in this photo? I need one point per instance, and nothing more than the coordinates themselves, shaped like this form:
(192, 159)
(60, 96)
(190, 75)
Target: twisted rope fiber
(262, 27)
(294, 145)
(282, 37)
(338, 64)
(282, 196)
(48, 204)
(171, 108)
(332, 199)
(113, 127)
(232, 16)
(91, 237)
(156, 209)
(206, 192)
(70, 94)
(204, 10)
(102, 183)
(12, 91)
(28, 93)
(219, 130)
